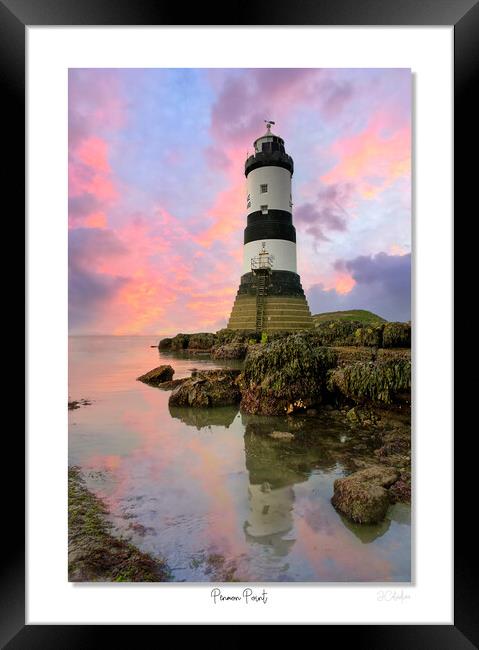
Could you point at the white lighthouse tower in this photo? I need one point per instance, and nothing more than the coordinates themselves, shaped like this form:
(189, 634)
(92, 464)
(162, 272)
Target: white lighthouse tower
(270, 296)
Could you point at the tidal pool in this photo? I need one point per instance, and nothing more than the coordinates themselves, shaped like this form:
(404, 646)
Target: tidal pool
(209, 490)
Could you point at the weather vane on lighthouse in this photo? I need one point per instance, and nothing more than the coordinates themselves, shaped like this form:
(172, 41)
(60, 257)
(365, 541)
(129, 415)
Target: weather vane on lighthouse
(269, 124)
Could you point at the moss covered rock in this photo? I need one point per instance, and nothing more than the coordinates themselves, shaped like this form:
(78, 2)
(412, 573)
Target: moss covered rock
(369, 335)
(286, 375)
(171, 385)
(363, 496)
(350, 333)
(348, 355)
(227, 336)
(397, 335)
(207, 388)
(180, 342)
(201, 341)
(165, 344)
(236, 349)
(375, 382)
(157, 375)
(384, 354)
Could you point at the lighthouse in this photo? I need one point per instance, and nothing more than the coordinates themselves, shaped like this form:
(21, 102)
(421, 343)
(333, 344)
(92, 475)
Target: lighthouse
(270, 296)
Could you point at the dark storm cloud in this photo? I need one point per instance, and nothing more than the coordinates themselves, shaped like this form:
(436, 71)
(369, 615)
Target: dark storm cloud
(383, 286)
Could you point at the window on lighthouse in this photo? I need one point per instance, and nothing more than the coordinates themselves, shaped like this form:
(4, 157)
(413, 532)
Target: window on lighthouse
(264, 209)
(263, 188)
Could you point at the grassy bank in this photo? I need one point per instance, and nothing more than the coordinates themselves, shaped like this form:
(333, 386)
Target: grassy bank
(94, 554)
(361, 315)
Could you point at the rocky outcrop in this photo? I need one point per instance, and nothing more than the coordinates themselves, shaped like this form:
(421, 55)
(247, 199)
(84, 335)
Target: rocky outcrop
(385, 354)
(397, 335)
(157, 375)
(201, 341)
(355, 333)
(171, 385)
(350, 333)
(363, 496)
(236, 349)
(208, 388)
(377, 382)
(348, 355)
(165, 344)
(180, 342)
(285, 375)
(395, 452)
(76, 403)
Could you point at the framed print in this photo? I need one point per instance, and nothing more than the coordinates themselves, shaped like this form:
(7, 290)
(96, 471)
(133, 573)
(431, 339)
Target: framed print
(238, 239)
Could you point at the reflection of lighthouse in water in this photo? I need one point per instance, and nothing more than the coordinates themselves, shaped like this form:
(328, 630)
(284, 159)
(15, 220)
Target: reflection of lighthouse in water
(270, 491)
(270, 515)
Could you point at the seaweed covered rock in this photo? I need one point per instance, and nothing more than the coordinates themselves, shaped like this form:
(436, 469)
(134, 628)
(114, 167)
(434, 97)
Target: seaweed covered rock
(384, 354)
(397, 335)
(337, 332)
(235, 349)
(172, 384)
(363, 496)
(286, 375)
(396, 452)
(348, 355)
(207, 388)
(157, 375)
(165, 344)
(400, 492)
(369, 335)
(180, 342)
(375, 382)
(201, 341)
(350, 333)
(226, 336)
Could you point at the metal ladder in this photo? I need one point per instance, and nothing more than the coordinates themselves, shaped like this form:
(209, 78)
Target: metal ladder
(261, 291)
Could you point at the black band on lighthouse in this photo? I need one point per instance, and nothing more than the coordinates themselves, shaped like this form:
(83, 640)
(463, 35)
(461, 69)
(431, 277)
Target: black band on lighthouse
(270, 230)
(266, 159)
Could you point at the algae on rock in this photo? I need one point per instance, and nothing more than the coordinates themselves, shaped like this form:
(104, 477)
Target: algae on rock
(94, 554)
(377, 382)
(285, 375)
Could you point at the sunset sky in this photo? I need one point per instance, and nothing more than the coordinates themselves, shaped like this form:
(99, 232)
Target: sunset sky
(157, 191)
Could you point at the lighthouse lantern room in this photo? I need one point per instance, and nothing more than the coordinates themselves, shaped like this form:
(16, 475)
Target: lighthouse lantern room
(270, 296)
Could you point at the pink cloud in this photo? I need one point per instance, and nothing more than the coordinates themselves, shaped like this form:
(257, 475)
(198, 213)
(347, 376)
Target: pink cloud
(93, 152)
(373, 159)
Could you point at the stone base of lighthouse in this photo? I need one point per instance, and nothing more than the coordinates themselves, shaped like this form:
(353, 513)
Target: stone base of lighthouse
(284, 305)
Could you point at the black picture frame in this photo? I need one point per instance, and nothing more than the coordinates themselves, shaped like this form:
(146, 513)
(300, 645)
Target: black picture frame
(15, 16)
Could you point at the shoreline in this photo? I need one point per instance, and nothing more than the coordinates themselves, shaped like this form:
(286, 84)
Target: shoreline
(94, 553)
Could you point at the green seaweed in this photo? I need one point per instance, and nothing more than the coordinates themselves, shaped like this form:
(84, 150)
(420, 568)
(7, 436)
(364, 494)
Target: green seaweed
(94, 554)
(378, 382)
(397, 335)
(350, 333)
(292, 369)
